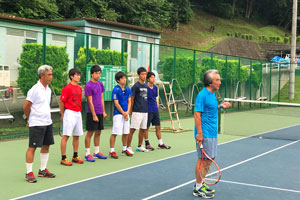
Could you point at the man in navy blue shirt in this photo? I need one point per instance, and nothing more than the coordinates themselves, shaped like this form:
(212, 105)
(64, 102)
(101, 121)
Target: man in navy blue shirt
(206, 128)
(153, 113)
(121, 96)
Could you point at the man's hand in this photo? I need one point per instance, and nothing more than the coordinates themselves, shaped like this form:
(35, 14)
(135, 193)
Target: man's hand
(199, 138)
(104, 114)
(125, 115)
(225, 105)
(95, 118)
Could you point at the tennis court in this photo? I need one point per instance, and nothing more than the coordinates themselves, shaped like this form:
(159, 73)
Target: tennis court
(259, 167)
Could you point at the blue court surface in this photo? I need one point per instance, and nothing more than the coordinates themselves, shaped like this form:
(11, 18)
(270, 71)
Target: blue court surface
(252, 168)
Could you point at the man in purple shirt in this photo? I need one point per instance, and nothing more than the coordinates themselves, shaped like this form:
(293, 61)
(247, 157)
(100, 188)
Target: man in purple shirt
(95, 113)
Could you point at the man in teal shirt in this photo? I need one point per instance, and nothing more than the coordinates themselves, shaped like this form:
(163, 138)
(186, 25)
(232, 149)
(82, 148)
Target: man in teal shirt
(206, 127)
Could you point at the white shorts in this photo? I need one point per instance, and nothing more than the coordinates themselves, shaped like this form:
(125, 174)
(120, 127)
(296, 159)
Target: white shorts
(120, 125)
(72, 123)
(139, 120)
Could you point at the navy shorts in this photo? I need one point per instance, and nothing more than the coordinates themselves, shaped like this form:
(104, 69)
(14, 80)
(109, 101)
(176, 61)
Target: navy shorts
(40, 135)
(92, 125)
(153, 117)
(210, 147)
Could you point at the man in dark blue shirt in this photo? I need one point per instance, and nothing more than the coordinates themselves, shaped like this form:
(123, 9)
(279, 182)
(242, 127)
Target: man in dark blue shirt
(153, 114)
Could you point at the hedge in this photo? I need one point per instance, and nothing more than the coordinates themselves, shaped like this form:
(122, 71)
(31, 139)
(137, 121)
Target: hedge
(32, 58)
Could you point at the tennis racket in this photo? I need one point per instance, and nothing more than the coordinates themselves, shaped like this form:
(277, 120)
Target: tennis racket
(209, 169)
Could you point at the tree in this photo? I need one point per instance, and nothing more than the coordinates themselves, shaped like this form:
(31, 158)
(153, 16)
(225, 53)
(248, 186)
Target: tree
(147, 13)
(34, 9)
(86, 8)
(249, 8)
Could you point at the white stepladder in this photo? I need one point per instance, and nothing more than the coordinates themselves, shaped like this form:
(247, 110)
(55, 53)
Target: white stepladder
(171, 106)
(7, 115)
(182, 100)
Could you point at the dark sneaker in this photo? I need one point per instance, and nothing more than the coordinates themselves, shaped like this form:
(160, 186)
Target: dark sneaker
(202, 192)
(46, 173)
(163, 146)
(207, 188)
(30, 177)
(127, 153)
(113, 155)
(149, 147)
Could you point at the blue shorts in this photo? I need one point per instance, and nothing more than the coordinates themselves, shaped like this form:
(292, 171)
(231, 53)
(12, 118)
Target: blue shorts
(210, 147)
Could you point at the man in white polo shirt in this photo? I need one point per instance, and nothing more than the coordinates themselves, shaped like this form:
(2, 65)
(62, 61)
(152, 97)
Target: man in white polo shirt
(37, 111)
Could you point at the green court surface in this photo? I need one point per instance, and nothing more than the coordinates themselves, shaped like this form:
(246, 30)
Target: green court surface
(13, 169)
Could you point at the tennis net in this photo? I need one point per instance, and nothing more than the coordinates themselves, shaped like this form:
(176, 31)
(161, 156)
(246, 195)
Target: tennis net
(263, 119)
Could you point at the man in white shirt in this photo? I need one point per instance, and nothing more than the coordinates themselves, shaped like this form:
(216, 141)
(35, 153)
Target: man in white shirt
(37, 110)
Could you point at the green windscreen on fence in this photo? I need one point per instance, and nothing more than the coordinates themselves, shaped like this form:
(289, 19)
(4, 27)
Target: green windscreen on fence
(107, 78)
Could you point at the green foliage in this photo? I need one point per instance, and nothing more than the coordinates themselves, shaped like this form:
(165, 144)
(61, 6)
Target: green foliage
(31, 59)
(232, 71)
(183, 73)
(34, 9)
(98, 56)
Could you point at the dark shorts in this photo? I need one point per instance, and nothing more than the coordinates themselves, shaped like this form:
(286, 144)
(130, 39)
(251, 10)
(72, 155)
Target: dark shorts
(92, 125)
(153, 117)
(210, 147)
(40, 135)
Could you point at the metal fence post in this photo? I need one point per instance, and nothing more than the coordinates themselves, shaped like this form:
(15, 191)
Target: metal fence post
(174, 64)
(150, 62)
(87, 50)
(44, 45)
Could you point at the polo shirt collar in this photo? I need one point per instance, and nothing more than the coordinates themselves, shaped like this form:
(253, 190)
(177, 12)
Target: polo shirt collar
(41, 85)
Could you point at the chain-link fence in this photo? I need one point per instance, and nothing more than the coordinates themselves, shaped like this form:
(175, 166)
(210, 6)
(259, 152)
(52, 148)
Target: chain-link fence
(25, 49)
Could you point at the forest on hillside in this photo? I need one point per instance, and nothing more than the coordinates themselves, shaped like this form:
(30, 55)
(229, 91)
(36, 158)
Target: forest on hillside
(152, 13)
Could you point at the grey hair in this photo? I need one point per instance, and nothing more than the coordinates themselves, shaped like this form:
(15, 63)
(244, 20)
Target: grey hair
(208, 76)
(43, 69)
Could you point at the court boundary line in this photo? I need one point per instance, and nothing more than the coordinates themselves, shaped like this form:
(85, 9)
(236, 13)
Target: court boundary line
(140, 165)
(223, 169)
(261, 186)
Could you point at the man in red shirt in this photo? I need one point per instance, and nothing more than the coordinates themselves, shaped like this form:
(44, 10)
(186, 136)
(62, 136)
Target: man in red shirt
(70, 107)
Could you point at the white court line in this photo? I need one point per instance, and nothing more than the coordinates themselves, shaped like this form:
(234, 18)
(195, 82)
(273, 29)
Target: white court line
(81, 181)
(223, 169)
(261, 186)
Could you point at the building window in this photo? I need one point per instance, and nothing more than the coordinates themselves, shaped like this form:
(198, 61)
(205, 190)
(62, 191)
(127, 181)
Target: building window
(30, 41)
(105, 43)
(134, 49)
(94, 41)
(15, 32)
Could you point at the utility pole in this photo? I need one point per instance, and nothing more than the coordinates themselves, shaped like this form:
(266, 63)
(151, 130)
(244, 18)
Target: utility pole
(293, 63)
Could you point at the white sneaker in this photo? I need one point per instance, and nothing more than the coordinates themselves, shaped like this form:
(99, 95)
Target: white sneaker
(130, 150)
(141, 149)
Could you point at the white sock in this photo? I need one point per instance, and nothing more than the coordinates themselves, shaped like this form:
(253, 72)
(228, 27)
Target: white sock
(124, 148)
(87, 151)
(44, 160)
(96, 149)
(160, 142)
(112, 150)
(198, 186)
(29, 167)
